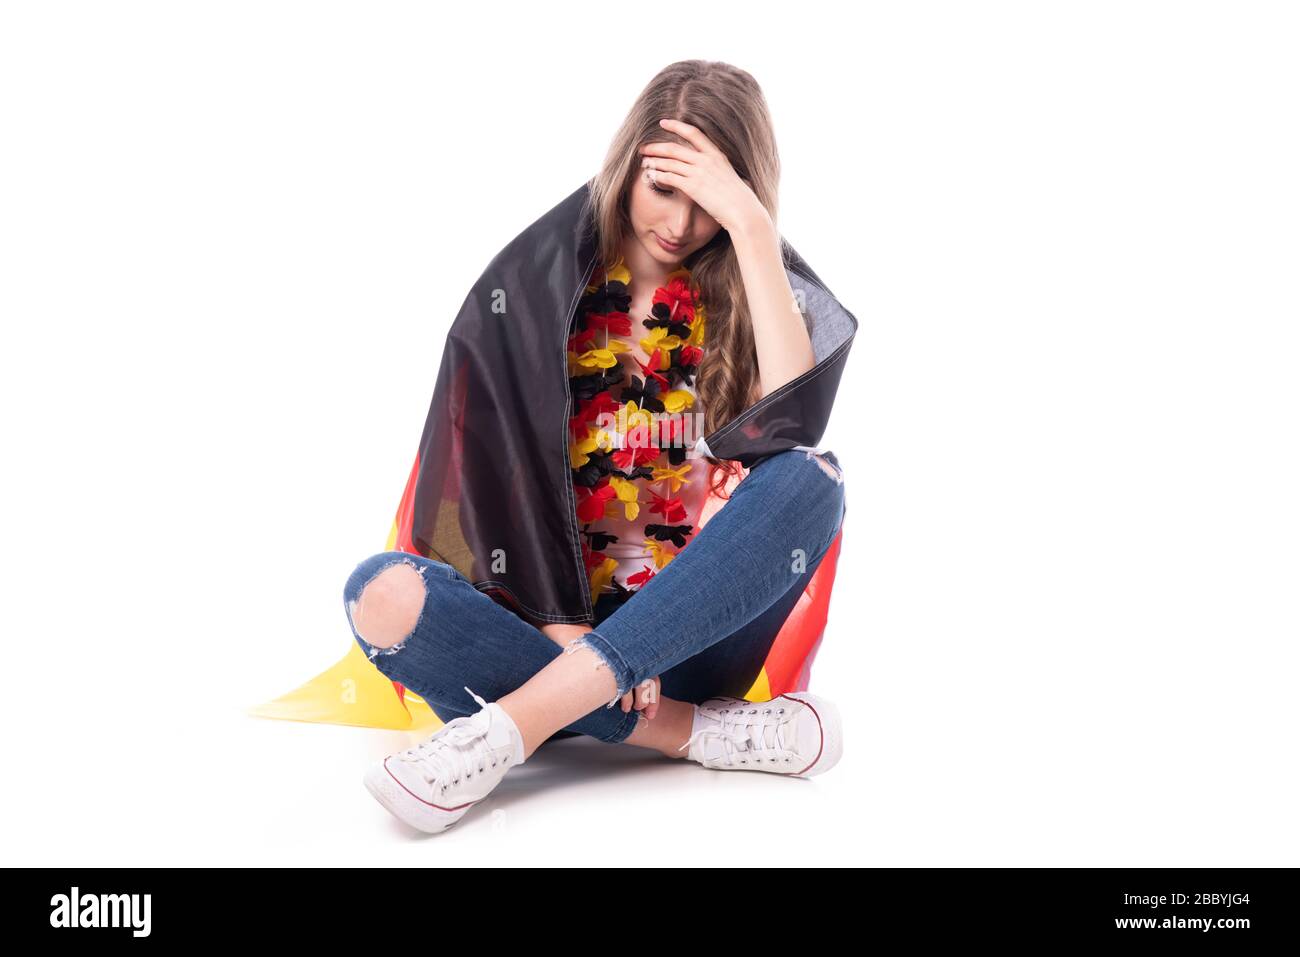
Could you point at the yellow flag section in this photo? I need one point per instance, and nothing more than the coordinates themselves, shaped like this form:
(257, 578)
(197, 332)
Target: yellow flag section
(352, 692)
(355, 692)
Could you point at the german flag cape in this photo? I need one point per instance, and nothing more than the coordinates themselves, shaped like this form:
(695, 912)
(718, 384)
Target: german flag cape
(492, 475)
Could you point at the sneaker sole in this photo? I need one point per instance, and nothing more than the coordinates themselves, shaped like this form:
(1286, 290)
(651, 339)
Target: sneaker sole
(405, 806)
(828, 717)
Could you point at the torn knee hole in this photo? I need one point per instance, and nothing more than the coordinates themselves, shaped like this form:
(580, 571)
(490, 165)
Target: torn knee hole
(389, 607)
(826, 466)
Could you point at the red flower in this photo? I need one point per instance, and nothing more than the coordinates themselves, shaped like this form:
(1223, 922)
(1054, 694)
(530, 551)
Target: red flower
(651, 373)
(581, 341)
(691, 355)
(590, 411)
(630, 458)
(577, 427)
(678, 297)
(619, 323)
(641, 577)
(591, 502)
(671, 509)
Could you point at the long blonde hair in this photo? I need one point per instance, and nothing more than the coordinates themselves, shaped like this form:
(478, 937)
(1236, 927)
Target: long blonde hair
(727, 104)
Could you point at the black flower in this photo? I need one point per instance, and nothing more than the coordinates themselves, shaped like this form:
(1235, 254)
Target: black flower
(669, 533)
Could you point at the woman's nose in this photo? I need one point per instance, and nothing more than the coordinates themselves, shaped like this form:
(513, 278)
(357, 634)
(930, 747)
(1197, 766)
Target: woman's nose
(681, 221)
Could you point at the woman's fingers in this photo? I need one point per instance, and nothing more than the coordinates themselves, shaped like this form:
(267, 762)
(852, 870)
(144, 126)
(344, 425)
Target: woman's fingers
(673, 151)
(661, 164)
(644, 697)
(662, 177)
(692, 134)
(647, 697)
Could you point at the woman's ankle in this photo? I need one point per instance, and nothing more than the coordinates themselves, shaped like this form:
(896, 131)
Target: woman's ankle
(667, 731)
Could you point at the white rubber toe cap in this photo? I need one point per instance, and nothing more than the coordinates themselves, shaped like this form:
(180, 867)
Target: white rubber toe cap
(821, 735)
(385, 781)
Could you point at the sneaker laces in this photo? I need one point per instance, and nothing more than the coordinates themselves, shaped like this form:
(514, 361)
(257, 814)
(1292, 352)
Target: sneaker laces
(457, 750)
(744, 731)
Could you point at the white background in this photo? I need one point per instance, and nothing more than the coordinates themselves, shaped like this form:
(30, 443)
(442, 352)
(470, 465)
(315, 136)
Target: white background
(1064, 629)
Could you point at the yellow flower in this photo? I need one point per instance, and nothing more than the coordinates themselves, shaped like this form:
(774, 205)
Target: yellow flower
(602, 575)
(678, 400)
(675, 477)
(619, 273)
(659, 553)
(615, 273)
(635, 418)
(696, 338)
(580, 451)
(659, 339)
(578, 367)
(595, 359)
(625, 492)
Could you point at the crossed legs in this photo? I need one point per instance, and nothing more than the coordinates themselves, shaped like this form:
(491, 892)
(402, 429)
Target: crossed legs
(426, 626)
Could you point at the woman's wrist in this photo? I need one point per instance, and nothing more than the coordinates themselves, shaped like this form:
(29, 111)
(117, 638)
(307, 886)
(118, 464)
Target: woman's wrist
(755, 230)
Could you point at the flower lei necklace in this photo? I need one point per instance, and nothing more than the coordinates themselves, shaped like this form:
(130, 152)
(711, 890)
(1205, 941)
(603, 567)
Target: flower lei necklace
(604, 471)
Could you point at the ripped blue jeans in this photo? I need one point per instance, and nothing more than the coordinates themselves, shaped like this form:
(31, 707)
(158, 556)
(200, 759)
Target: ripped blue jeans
(703, 624)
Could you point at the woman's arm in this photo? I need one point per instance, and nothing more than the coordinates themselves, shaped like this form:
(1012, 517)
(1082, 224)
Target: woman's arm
(705, 174)
(781, 339)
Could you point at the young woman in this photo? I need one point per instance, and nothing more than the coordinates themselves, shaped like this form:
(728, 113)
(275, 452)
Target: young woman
(688, 351)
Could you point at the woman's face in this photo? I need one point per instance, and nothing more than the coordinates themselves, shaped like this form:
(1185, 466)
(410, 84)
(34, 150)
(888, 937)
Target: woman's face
(660, 215)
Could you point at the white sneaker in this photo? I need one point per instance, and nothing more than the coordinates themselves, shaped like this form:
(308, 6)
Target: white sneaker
(797, 733)
(433, 784)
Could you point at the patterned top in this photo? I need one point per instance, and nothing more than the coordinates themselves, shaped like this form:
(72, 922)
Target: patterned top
(633, 424)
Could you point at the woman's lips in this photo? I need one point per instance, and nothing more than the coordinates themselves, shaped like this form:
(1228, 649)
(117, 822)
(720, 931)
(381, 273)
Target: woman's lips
(669, 247)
